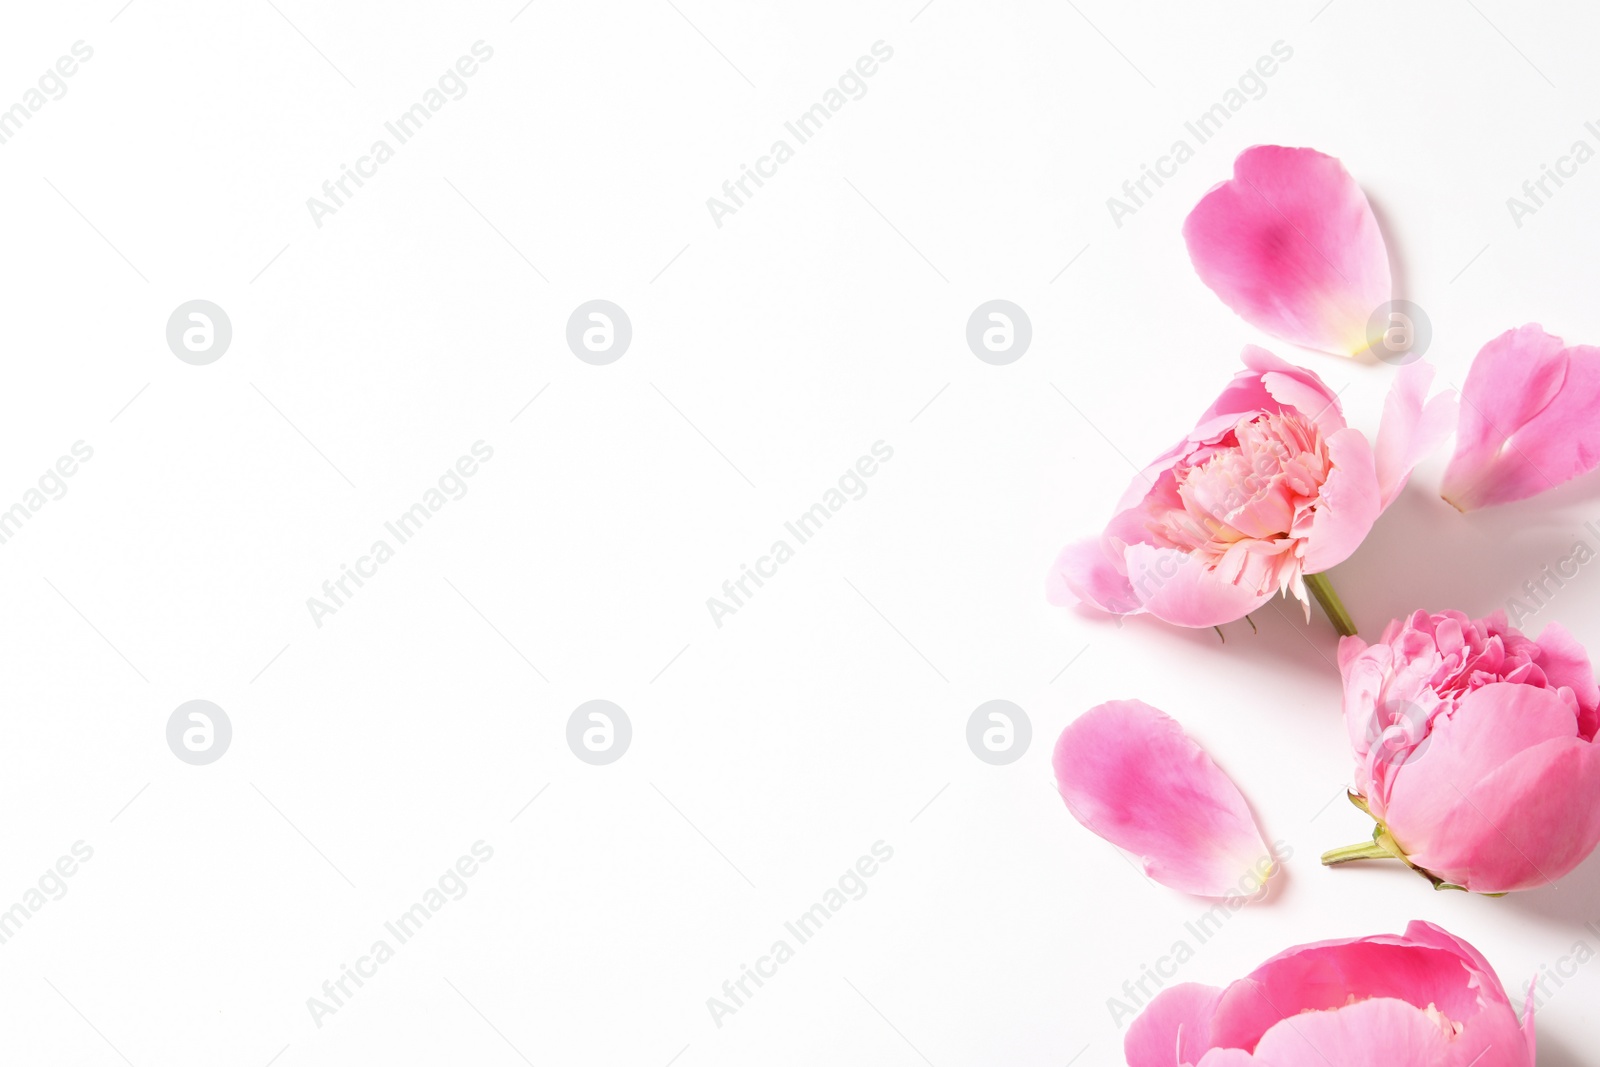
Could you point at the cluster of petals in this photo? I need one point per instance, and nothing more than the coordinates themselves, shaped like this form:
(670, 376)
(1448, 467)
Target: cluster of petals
(1475, 744)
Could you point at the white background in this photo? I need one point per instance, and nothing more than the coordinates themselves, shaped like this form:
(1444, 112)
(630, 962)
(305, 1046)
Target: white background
(768, 354)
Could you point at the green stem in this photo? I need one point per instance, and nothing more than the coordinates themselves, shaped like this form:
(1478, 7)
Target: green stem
(1330, 603)
(1366, 850)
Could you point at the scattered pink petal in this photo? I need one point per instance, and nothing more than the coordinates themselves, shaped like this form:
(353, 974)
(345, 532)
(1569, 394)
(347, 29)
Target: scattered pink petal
(1527, 419)
(1291, 245)
(1131, 775)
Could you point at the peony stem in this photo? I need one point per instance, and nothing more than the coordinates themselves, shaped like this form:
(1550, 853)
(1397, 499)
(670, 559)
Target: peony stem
(1366, 850)
(1330, 603)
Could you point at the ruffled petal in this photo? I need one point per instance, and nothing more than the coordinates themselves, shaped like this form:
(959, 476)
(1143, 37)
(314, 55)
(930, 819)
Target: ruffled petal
(1132, 776)
(1347, 505)
(1291, 245)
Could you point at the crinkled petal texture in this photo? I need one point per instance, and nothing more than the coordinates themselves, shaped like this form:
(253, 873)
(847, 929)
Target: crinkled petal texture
(1131, 775)
(1291, 245)
(1425, 999)
(1527, 419)
(1269, 486)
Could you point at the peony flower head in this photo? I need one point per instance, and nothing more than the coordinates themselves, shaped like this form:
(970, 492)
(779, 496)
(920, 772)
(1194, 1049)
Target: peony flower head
(1475, 749)
(1270, 486)
(1422, 999)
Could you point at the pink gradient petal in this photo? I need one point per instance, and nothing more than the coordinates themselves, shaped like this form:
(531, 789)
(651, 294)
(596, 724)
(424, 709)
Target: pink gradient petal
(1543, 802)
(1291, 245)
(1372, 1033)
(1412, 426)
(1296, 388)
(1324, 976)
(1466, 747)
(1527, 1021)
(1132, 776)
(1180, 589)
(1527, 419)
(1085, 572)
(1173, 1029)
(1347, 506)
(1565, 663)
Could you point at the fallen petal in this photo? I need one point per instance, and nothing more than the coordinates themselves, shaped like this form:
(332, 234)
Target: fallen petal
(1132, 776)
(1291, 245)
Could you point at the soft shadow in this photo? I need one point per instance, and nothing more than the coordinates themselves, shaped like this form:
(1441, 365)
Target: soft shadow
(1570, 903)
(1553, 1053)
(1398, 274)
(1425, 554)
(1281, 634)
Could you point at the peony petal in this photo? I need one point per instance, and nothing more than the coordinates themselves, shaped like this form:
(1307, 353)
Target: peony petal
(1566, 663)
(1372, 1033)
(1410, 428)
(1296, 389)
(1491, 724)
(1527, 419)
(1543, 802)
(1173, 1029)
(1347, 506)
(1180, 589)
(1085, 573)
(1327, 975)
(1291, 245)
(1131, 775)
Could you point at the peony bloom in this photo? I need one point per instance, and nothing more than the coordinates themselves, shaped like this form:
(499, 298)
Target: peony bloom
(1527, 419)
(1130, 774)
(1270, 488)
(1425, 999)
(1291, 245)
(1475, 750)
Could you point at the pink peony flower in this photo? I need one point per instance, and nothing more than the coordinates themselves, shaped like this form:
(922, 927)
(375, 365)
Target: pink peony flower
(1475, 750)
(1425, 999)
(1269, 488)
(1291, 245)
(1527, 419)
